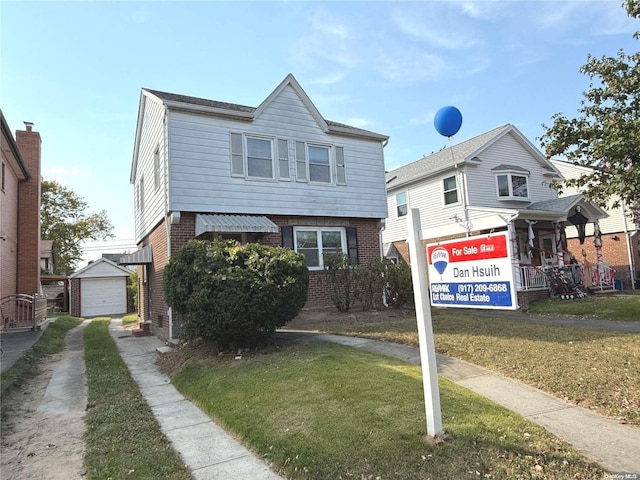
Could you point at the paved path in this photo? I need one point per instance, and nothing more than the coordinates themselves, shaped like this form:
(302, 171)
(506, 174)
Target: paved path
(613, 445)
(209, 451)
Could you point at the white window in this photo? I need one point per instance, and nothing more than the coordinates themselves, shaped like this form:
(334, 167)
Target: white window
(315, 243)
(450, 190)
(512, 186)
(252, 157)
(316, 164)
(401, 204)
(259, 158)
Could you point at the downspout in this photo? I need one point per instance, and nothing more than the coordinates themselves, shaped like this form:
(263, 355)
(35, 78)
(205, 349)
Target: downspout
(627, 237)
(167, 219)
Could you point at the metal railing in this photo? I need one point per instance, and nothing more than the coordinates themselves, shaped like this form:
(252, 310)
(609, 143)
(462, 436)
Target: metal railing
(21, 311)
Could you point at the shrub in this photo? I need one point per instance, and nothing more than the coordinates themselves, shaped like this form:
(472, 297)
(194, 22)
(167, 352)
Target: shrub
(235, 295)
(340, 280)
(399, 288)
(370, 282)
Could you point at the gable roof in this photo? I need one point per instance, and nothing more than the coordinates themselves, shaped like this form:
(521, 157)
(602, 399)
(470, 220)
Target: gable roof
(106, 267)
(241, 112)
(184, 102)
(460, 154)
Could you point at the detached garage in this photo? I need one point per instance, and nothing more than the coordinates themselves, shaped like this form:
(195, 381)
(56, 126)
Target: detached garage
(99, 289)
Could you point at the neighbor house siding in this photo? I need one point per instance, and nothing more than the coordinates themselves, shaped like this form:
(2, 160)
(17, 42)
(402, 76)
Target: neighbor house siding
(151, 138)
(481, 183)
(200, 173)
(9, 229)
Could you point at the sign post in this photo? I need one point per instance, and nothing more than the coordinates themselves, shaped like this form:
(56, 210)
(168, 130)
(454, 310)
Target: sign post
(425, 327)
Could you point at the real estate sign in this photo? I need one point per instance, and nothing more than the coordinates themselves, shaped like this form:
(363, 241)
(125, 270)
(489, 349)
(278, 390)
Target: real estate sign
(473, 272)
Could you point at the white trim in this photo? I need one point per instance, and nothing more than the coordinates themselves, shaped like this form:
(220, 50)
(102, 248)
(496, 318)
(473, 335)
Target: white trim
(319, 230)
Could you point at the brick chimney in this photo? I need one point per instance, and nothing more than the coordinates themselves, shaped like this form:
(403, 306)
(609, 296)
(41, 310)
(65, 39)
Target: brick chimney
(28, 143)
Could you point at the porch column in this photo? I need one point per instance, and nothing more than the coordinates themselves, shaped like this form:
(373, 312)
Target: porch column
(559, 230)
(597, 242)
(515, 262)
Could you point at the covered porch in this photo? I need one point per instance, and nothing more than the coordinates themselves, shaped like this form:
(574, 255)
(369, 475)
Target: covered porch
(540, 257)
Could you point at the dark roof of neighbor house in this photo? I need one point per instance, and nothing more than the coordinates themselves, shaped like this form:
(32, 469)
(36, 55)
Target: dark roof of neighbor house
(462, 153)
(444, 159)
(232, 107)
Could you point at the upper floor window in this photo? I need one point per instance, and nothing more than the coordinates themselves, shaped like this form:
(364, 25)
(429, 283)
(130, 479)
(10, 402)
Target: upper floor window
(450, 187)
(320, 164)
(259, 157)
(316, 243)
(401, 204)
(512, 186)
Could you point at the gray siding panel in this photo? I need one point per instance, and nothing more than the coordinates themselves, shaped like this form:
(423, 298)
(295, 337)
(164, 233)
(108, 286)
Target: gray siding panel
(201, 178)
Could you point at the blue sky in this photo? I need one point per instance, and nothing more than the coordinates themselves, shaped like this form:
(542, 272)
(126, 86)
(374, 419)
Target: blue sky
(75, 69)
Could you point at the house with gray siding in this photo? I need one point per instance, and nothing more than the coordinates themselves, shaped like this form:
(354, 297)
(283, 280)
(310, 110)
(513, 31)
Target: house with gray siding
(496, 181)
(279, 174)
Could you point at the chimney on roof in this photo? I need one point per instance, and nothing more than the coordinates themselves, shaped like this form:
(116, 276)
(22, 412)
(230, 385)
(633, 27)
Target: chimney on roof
(29, 125)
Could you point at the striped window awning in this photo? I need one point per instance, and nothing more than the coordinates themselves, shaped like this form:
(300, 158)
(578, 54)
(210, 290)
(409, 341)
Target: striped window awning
(139, 257)
(234, 224)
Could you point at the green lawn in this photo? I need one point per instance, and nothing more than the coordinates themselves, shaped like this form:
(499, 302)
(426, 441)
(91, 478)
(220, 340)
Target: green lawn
(123, 438)
(592, 368)
(620, 307)
(326, 411)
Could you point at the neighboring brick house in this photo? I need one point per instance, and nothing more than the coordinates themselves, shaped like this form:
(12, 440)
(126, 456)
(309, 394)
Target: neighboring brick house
(278, 174)
(20, 211)
(620, 235)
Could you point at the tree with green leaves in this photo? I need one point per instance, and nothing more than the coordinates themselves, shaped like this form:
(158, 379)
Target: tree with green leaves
(65, 220)
(606, 135)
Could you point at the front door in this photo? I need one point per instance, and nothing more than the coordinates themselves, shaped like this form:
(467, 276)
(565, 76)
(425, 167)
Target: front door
(548, 249)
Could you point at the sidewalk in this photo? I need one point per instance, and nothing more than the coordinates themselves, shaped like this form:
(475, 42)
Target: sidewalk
(616, 447)
(209, 451)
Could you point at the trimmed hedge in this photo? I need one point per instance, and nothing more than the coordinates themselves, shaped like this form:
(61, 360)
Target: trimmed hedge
(235, 295)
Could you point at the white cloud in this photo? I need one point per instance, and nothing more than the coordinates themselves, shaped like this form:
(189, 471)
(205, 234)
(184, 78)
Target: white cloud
(359, 122)
(61, 174)
(409, 65)
(436, 27)
(423, 119)
(328, 79)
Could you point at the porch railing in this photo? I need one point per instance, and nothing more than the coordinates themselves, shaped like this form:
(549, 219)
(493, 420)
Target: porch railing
(532, 278)
(22, 311)
(602, 276)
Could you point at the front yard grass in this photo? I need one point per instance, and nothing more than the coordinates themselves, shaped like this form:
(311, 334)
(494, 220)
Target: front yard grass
(325, 411)
(620, 307)
(123, 438)
(592, 368)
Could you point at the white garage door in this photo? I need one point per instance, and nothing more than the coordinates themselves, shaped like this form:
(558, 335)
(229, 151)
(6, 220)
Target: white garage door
(103, 296)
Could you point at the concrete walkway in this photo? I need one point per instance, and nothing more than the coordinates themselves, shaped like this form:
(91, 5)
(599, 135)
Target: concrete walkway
(209, 451)
(616, 447)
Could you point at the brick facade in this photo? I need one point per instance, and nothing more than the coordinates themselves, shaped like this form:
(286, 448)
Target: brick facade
(29, 213)
(152, 305)
(74, 297)
(614, 252)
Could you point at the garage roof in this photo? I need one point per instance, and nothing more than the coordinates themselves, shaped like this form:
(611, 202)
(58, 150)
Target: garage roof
(101, 268)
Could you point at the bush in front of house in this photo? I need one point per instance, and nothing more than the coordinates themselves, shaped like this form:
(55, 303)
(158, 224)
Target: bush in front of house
(235, 295)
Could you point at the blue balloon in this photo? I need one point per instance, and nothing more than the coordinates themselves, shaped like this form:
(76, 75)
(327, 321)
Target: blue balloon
(448, 121)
